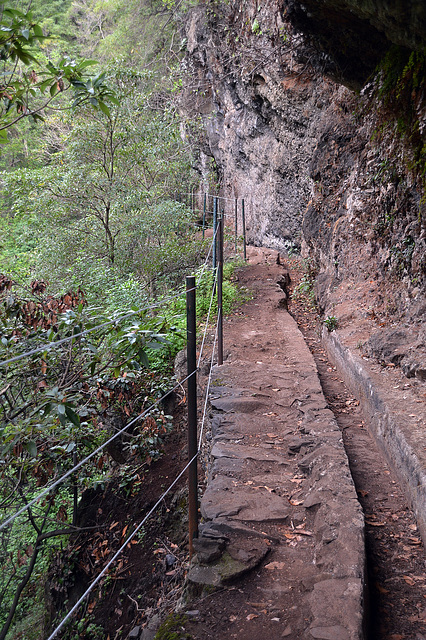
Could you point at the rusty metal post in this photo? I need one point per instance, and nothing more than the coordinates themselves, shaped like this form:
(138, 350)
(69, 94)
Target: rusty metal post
(243, 215)
(219, 294)
(191, 351)
(236, 225)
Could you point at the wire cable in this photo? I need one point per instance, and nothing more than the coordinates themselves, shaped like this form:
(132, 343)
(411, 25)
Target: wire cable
(90, 456)
(207, 320)
(210, 195)
(206, 399)
(204, 265)
(123, 546)
(57, 343)
(113, 437)
(150, 512)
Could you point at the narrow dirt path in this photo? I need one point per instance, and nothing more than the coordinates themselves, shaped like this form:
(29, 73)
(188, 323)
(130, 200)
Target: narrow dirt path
(286, 551)
(395, 554)
(281, 544)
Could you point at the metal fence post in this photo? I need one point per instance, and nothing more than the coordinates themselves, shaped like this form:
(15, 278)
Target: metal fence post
(219, 294)
(236, 225)
(204, 214)
(192, 409)
(243, 214)
(214, 231)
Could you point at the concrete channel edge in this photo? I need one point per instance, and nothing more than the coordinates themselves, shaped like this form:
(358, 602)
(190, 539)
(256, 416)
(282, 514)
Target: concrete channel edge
(384, 425)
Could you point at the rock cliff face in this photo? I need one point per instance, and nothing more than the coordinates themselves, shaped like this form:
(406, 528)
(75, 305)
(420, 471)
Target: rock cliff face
(323, 166)
(260, 114)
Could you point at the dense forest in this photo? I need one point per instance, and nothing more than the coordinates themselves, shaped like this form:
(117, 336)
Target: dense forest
(96, 236)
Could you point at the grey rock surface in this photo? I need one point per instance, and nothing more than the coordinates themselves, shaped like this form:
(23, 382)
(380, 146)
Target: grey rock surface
(395, 420)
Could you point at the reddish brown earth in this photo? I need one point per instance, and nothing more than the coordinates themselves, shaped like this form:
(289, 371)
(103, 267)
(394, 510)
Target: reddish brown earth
(145, 585)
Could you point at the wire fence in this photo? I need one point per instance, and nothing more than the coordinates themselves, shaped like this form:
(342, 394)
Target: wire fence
(190, 462)
(114, 321)
(216, 286)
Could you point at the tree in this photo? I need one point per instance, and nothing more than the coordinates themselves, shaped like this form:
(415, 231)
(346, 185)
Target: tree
(108, 193)
(30, 85)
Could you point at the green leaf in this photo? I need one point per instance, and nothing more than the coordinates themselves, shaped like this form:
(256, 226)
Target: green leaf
(13, 12)
(38, 31)
(43, 85)
(143, 357)
(31, 447)
(61, 409)
(72, 416)
(104, 108)
(87, 63)
(26, 33)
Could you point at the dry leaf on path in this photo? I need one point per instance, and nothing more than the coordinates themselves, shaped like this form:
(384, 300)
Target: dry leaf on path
(381, 589)
(275, 565)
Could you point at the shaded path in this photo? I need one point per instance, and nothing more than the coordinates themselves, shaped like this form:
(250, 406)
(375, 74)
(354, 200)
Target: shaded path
(280, 497)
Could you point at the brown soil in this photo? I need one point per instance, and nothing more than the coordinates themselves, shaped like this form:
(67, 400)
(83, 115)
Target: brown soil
(147, 579)
(395, 554)
(144, 583)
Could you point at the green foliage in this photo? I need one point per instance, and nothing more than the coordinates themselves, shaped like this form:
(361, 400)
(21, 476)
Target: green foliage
(59, 405)
(104, 201)
(255, 27)
(28, 93)
(173, 629)
(304, 291)
(331, 322)
(402, 75)
(18, 245)
(90, 205)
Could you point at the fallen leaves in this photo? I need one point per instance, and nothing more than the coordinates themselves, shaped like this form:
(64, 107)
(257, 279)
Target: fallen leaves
(295, 502)
(275, 565)
(381, 589)
(414, 541)
(252, 616)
